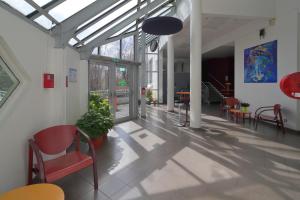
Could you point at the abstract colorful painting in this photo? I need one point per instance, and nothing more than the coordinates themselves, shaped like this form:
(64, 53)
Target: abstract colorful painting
(260, 63)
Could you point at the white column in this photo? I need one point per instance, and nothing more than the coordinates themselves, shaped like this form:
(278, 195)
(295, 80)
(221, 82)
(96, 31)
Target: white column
(170, 74)
(196, 64)
(143, 75)
(160, 75)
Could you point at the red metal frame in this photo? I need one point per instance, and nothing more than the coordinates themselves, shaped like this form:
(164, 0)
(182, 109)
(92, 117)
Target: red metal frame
(55, 140)
(277, 118)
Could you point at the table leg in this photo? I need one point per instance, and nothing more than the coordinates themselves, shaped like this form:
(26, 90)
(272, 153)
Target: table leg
(186, 114)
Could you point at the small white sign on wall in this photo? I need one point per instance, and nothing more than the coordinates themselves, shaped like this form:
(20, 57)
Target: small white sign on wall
(72, 75)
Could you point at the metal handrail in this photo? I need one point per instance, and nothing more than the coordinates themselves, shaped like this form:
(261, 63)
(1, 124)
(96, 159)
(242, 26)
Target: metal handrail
(215, 89)
(206, 92)
(217, 81)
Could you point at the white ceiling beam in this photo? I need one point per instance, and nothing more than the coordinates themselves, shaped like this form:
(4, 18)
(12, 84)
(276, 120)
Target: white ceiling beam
(42, 11)
(64, 31)
(108, 24)
(46, 8)
(101, 17)
(100, 39)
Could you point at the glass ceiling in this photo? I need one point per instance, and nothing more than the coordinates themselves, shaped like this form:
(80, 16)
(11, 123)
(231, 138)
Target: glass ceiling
(49, 13)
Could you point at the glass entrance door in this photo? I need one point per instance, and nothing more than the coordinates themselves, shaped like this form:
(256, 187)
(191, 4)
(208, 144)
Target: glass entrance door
(122, 92)
(115, 83)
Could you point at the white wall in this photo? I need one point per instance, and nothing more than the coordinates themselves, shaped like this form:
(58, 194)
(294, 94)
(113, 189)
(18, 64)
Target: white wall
(285, 31)
(35, 108)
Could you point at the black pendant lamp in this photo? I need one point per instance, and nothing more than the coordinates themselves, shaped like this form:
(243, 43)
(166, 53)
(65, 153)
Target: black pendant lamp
(162, 25)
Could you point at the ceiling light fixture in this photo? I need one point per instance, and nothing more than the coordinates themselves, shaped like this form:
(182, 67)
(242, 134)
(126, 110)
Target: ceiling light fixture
(162, 25)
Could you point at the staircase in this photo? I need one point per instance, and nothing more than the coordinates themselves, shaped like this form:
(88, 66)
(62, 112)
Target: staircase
(210, 94)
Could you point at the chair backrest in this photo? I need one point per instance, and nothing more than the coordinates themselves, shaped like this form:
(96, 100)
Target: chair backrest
(277, 109)
(55, 139)
(231, 102)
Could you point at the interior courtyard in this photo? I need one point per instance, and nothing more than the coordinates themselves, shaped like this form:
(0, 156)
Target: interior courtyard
(150, 99)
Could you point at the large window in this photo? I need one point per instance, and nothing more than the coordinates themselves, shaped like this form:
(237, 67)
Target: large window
(8, 82)
(121, 49)
(152, 72)
(111, 49)
(128, 48)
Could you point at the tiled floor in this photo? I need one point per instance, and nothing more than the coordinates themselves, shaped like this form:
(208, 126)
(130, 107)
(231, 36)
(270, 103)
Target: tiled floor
(153, 159)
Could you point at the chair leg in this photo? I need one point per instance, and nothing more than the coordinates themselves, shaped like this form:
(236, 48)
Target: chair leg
(256, 124)
(95, 176)
(283, 128)
(30, 165)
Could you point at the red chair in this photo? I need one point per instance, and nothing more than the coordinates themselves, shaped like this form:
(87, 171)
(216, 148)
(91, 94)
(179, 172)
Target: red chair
(229, 103)
(55, 140)
(276, 118)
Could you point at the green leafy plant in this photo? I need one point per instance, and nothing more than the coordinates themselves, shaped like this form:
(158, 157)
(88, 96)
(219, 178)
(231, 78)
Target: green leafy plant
(149, 96)
(98, 120)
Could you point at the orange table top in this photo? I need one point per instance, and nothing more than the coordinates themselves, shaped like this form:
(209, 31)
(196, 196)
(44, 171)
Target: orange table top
(183, 93)
(35, 192)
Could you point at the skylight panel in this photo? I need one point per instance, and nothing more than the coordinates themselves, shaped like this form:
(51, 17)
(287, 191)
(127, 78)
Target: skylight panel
(101, 13)
(68, 8)
(44, 22)
(41, 2)
(20, 5)
(109, 27)
(160, 12)
(124, 29)
(106, 20)
(72, 42)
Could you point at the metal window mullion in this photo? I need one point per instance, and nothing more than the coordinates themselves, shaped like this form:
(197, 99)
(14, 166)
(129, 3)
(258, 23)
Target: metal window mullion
(101, 17)
(42, 11)
(107, 25)
(46, 8)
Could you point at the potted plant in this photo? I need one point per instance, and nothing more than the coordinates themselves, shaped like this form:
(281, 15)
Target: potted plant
(245, 107)
(97, 121)
(149, 97)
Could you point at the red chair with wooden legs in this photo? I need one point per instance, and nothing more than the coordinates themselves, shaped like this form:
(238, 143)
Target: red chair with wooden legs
(229, 103)
(55, 140)
(260, 115)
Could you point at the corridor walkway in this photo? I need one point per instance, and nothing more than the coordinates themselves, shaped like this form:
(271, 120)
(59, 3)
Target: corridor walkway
(153, 159)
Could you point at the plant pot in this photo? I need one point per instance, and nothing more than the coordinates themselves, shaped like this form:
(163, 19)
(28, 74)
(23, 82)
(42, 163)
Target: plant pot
(98, 142)
(245, 109)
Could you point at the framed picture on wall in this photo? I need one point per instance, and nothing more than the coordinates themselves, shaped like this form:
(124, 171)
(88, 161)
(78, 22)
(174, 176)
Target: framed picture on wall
(72, 75)
(260, 63)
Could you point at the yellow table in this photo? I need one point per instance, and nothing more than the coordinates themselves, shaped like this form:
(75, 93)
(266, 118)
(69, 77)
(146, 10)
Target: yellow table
(35, 192)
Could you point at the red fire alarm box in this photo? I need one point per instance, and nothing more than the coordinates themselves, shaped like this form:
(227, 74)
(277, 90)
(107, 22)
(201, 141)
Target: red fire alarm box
(48, 80)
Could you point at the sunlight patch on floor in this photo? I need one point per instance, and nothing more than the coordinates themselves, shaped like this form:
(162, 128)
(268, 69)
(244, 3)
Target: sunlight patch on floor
(203, 167)
(147, 139)
(213, 118)
(129, 127)
(169, 178)
(128, 157)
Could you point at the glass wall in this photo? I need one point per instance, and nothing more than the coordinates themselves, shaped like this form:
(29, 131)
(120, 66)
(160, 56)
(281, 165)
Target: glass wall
(99, 79)
(111, 49)
(152, 72)
(120, 49)
(128, 48)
